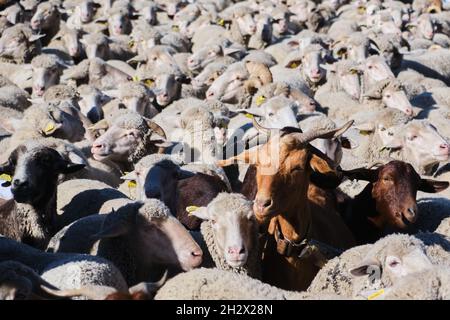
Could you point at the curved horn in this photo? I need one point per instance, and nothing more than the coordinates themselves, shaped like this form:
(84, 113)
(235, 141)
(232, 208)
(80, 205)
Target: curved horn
(149, 288)
(91, 292)
(267, 131)
(156, 128)
(323, 134)
(259, 70)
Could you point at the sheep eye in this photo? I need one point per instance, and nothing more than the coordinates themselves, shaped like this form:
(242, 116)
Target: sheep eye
(393, 264)
(270, 114)
(411, 138)
(213, 221)
(382, 129)
(390, 133)
(370, 67)
(388, 96)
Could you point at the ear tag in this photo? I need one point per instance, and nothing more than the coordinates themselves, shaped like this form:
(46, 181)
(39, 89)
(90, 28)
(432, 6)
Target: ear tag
(260, 100)
(131, 44)
(221, 22)
(248, 115)
(149, 82)
(6, 177)
(376, 294)
(364, 132)
(135, 78)
(175, 28)
(293, 65)
(49, 127)
(131, 184)
(191, 209)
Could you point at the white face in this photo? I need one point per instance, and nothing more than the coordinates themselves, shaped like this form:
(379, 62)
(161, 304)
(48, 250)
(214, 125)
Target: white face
(425, 144)
(413, 262)
(233, 232)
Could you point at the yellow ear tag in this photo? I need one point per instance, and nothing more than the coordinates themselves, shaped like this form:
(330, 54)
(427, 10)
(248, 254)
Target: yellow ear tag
(131, 184)
(221, 22)
(293, 65)
(148, 82)
(6, 177)
(49, 127)
(131, 44)
(375, 295)
(353, 71)
(135, 78)
(260, 100)
(175, 28)
(361, 9)
(103, 23)
(248, 115)
(364, 132)
(191, 209)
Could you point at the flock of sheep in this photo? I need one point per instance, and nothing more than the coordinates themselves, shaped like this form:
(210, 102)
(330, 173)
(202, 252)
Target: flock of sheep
(224, 149)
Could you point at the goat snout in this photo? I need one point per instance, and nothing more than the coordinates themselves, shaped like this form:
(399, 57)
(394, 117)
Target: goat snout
(262, 205)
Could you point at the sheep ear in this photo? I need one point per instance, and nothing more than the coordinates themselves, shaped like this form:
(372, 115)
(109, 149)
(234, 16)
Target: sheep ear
(35, 37)
(394, 143)
(366, 127)
(199, 212)
(10, 124)
(129, 176)
(251, 111)
(50, 128)
(229, 51)
(432, 186)
(115, 229)
(292, 64)
(70, 167)
(367, 267)
(365, 174)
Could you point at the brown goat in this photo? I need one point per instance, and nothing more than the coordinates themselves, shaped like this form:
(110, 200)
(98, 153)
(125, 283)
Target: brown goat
(388, 203)
(290, 209)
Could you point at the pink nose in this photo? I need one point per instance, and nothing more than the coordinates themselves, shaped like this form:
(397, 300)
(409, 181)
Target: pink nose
(97, 146)
(315, 72)
(191, 61)
(210, 94)
(409, 111)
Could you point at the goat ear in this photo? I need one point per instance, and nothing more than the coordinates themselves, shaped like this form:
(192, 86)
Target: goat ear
(365, 174)
(70, 167)
(324, 174)
(432, 186)
(367, 267)
(247, 156)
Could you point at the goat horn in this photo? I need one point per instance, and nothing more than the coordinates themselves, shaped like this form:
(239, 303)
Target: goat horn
(323, 134)
(156, 128)
(267, 131)
(91, 292)
(150, 287)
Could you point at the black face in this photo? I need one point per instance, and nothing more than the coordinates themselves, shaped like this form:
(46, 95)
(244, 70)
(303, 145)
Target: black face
(35, 173)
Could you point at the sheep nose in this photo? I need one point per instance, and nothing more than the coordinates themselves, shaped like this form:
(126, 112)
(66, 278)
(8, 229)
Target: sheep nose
(197, 253)
(409, 111)
(444, 147)
(97, 146)
(210, 94)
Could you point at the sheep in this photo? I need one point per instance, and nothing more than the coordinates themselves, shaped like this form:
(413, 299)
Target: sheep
(46, 19)
(433, 64)
(14, 97)
(127, 150)
(415, 83)
(47, 70)
(216, 284)
(427, 285)
(138, 98)
(160, 176)
(228, 234)
(34, 171)
(19, 45)
(385, 262)
(64, 270)
(135, 238)
(67, 41)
